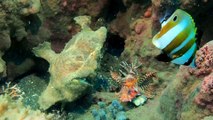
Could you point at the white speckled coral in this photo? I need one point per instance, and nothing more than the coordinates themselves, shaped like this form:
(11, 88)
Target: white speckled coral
(77, 60)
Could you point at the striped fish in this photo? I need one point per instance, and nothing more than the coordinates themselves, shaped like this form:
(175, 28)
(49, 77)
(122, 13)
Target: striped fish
(177, 38)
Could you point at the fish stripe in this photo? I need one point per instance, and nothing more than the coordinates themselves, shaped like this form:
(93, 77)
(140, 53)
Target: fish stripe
(192, 64)
(186, 56)
(184, 49)
(167, 38)
(191, 35)
(165, 29)
(191, 60)
(177, 40)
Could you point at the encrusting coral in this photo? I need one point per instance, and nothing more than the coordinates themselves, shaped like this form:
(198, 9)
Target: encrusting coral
(77, 61)
(204, 64)
(204, 70)
(205, 97)
(33, 6)
(14, 110)
(204, 60)
(2, 66)
(13, 24)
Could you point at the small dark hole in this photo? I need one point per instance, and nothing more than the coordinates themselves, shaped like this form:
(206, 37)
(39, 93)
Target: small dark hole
(175, 18)
(114, 44)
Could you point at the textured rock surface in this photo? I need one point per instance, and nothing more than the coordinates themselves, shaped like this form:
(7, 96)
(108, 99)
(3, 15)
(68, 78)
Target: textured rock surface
(14, 20)
(205, 97)
(78, 60)
(2, 66)
(33, 6)
(176, 101)
(37, 85)
(15, 110)
(204, 60)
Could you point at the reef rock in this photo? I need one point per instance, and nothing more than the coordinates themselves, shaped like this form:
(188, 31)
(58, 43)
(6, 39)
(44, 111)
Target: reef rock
(205, 97)
(204, 60)
(77, 61)
(33, 6)
(14, 110)
(2, 66)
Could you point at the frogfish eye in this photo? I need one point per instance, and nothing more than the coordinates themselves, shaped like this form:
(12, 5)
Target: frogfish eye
(175, 18)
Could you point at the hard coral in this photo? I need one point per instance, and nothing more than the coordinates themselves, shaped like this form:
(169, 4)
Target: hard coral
(205, 97)
(204, 59)
(14, 110)
(207, 85)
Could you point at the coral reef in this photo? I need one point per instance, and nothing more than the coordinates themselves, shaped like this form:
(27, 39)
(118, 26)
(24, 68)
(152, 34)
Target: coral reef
(205, 97)
(77, 61)
(14, 24)
(13, 109)
(91, 7)
(13, 91)
(37, 85)
(14, 70)
(114, 111)
(33, 6)
(204, 60)
(181, 93)
(2, 67)
(11, 106)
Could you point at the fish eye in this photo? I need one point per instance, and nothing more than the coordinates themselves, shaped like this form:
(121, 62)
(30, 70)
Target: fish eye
(175, 18)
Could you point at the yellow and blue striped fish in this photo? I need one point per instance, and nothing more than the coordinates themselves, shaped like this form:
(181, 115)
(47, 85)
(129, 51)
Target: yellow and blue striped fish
(177, 38)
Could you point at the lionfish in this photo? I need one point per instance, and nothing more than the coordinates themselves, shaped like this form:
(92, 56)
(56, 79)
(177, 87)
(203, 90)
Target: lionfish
(130, 81)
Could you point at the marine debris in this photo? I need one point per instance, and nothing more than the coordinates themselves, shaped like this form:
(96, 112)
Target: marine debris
(77, 61)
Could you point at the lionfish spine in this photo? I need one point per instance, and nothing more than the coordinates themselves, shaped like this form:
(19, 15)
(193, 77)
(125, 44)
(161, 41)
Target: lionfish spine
(145, 80)
(116, 77)
(148, 75)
